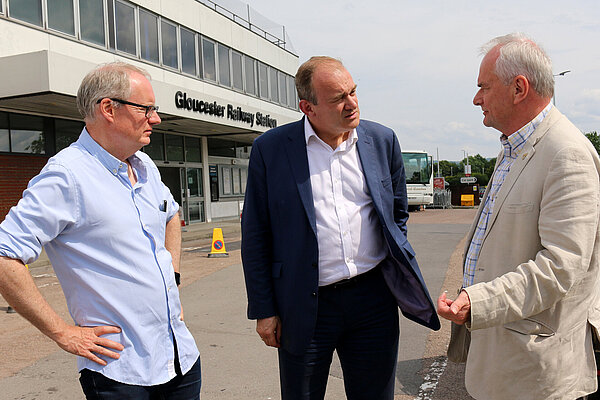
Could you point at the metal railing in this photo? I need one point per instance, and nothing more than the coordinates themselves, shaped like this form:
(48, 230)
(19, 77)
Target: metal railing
(442, 198)
(252, 20)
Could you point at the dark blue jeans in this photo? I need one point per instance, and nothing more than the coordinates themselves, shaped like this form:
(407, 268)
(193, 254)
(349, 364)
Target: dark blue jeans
(183, 387)
(360, 321)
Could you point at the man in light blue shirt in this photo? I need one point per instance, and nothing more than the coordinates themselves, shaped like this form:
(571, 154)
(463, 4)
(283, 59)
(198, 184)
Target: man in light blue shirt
(111, 230)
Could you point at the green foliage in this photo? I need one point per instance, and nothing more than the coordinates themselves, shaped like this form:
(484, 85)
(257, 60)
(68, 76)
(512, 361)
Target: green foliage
(595, 139)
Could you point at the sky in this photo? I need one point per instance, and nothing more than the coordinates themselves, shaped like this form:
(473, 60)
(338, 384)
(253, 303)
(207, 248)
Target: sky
(416, 62)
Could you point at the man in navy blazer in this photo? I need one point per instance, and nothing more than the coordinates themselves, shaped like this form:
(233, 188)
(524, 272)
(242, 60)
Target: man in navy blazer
(324, 248)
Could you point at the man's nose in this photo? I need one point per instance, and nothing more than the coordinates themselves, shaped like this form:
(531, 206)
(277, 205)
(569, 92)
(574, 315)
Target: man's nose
(154, 119)
(351, 102)
(477, 99)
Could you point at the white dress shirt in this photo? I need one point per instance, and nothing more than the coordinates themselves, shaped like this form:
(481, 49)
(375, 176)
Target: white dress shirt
(350, 238)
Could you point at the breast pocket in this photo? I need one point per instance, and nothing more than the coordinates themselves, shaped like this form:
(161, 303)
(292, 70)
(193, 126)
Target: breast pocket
(519, 208)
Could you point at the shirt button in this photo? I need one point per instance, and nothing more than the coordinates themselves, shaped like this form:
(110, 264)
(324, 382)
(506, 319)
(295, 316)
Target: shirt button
(114, 171)
(314, 294)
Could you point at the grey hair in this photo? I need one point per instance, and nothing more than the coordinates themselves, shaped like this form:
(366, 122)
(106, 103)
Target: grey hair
(106, 80)
(520, 55)
(304, 76)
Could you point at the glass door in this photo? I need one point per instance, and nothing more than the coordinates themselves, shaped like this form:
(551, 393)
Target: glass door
(195, 195)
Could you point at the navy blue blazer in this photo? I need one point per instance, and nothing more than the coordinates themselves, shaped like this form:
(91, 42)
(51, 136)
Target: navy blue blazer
(279, 235)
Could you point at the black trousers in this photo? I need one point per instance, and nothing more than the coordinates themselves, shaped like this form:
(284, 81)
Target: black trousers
(359, 320)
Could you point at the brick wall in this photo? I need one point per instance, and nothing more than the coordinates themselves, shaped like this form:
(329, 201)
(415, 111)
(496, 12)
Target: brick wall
(15, 173)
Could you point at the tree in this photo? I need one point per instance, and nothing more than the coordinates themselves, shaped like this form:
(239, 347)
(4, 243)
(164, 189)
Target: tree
(595, 139)
(447, 168)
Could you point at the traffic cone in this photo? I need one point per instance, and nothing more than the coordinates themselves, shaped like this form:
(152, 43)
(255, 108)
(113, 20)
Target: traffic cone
(218, 245)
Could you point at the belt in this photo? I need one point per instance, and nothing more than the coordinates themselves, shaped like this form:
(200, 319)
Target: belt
(352, 281)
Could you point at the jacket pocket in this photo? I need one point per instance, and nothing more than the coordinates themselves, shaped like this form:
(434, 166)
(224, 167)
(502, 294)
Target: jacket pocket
(519, 208)
(530, 326)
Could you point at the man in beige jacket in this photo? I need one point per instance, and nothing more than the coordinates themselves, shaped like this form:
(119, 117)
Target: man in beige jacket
(531, 271)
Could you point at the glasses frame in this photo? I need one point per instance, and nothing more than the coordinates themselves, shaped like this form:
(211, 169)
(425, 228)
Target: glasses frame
(149, 110)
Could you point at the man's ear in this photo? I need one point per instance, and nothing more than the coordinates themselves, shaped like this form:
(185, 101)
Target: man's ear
(106, 110)
(521, 89)
(306, 107)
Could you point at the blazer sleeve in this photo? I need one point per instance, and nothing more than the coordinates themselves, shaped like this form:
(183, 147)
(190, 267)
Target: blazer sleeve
(568, 223)
(257, 239)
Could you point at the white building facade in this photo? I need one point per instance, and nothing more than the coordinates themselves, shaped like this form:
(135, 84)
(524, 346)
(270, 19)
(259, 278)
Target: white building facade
(219, 81)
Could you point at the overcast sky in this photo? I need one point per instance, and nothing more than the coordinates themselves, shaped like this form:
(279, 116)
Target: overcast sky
(416, 62)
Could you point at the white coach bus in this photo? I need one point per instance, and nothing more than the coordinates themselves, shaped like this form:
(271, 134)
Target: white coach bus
(418, 166)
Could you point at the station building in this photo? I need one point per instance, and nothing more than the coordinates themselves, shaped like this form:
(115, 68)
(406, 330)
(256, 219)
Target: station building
(220, 80)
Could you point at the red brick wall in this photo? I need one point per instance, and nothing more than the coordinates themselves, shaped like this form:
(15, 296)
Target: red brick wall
(15, 173)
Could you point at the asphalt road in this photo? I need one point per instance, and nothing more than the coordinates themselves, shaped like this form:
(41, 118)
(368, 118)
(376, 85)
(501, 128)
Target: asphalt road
(235, 363)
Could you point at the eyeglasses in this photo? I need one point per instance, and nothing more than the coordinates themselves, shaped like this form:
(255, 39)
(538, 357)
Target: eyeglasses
(149, 110)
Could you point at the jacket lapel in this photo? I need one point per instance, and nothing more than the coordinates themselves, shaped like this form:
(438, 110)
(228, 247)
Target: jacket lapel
(519, 164)
(366, 154)
(296, 152)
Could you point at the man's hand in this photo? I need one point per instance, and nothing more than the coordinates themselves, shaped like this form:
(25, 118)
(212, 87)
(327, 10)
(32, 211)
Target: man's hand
(457, 311)
(269, 330)
(86, 342)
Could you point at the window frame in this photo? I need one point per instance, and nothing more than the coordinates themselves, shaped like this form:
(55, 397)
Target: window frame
(177, 44)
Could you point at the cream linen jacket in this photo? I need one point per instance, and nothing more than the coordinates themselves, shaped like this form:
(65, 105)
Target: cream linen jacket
(535, 294)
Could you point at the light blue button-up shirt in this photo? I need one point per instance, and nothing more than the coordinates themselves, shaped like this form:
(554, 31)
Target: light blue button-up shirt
(106, 242)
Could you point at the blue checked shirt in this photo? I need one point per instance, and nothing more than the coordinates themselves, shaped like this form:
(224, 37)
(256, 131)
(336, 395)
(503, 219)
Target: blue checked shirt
(105, 239)
(512, 147)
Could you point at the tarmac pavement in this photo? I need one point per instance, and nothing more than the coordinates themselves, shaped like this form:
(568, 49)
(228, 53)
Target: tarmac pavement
(235, 363)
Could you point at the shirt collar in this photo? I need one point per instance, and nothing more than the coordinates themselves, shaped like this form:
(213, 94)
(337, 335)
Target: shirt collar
(513, 143)
(110, 162)
(309, 133)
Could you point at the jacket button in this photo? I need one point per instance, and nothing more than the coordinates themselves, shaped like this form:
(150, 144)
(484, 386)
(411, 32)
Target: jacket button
(315, 265)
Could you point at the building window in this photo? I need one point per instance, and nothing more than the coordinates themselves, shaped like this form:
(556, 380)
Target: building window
(282, 88)
(233, 180)
(250, 75)
(174, 148)
(221, 148)
(236, 70)
(61, 16)
(188, 51)
(209, 60)
(273, 84)
(156, 148)
(125, 23)
(27, 134)
(226, 180)
(263, 80)
(200, 69)
(291, 92)
(192, 149)
(26, 10)
(224, 73)
(169, 44)
(91, 20)
(66, 132)
(148, 36)
(4, 135)
(111, 23)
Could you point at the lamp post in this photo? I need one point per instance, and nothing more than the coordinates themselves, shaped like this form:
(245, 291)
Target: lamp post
(559, 74)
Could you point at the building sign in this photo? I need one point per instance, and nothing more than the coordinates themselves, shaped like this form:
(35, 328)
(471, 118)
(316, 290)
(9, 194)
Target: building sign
(182, 101)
